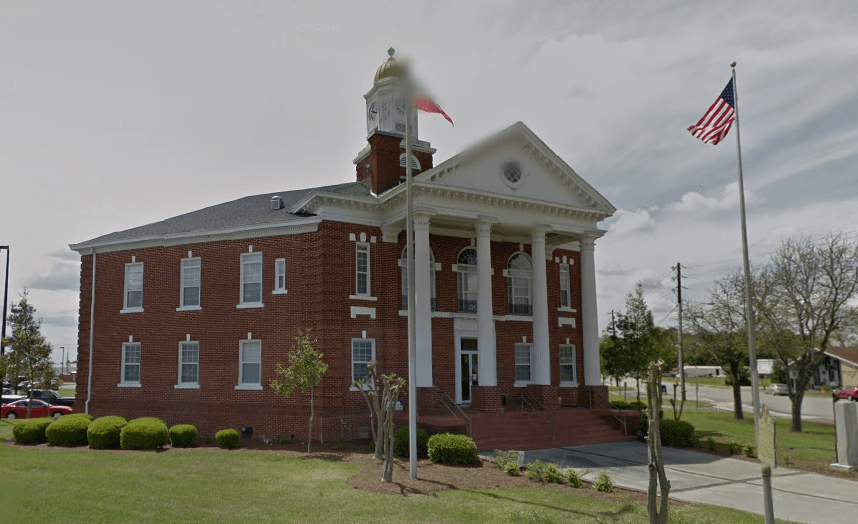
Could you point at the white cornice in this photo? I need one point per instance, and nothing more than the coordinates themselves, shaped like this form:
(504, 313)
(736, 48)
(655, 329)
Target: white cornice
(295, 227)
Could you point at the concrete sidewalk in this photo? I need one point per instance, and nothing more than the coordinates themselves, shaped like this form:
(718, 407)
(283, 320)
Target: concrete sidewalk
(696, 476)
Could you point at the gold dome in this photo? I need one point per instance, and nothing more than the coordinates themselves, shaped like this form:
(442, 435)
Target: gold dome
(390, 68)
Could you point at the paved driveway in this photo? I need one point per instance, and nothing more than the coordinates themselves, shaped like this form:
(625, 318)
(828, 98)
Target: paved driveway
(696, 476)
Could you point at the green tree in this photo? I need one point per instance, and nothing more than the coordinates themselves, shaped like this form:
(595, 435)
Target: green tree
(305, 371)
(29, 354)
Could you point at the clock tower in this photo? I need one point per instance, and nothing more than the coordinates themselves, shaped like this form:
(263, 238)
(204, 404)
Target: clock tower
(383, 159)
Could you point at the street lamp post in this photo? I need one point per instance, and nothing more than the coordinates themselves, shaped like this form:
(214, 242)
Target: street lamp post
(63, 361)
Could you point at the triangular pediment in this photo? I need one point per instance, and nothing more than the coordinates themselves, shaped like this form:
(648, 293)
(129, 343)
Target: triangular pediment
(516, 164)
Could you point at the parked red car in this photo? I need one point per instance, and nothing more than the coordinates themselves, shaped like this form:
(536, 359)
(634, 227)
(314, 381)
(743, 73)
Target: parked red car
(850, 393)
(18, 409)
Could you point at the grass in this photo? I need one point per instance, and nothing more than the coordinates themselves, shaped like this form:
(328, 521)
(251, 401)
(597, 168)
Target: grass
(212, 485)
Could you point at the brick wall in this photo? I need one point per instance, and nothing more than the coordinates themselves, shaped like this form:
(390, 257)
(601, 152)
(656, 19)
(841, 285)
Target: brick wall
(320, 279)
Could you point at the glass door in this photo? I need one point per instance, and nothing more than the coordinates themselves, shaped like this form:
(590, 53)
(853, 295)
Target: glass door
(468, 356)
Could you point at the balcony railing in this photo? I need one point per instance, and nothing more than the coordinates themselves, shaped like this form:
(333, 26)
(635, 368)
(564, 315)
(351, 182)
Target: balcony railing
(525, 310)
(467, 306)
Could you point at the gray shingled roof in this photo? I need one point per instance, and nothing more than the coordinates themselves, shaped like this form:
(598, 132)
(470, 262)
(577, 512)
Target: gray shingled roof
(247, 211)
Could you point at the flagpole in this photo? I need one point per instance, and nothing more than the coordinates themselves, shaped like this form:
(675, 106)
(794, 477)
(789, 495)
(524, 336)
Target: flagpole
(749, 313)
(409, 250)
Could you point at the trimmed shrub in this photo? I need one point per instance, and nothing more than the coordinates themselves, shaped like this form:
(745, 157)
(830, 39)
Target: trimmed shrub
(227, 438)
(183, 435)
(103, 432)
(68, 431)
(453, 449)
(735, 448)
(507, 461)
(401, 444)
(31, 431)
(677, 433)
(536, 470)
(144, 433)
(750, 451)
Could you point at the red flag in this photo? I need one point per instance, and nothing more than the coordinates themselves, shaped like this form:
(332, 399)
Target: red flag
(718, 120)
(424, 103)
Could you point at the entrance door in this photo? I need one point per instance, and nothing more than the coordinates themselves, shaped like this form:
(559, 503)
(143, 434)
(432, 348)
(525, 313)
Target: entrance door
(468, 367)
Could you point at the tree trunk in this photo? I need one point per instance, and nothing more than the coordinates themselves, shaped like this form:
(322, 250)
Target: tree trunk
(312, 416)
(657, 475)
(735, 372)
(796, 399)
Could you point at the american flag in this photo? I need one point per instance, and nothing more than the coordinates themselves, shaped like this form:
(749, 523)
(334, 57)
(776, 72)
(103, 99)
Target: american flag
(718, 120)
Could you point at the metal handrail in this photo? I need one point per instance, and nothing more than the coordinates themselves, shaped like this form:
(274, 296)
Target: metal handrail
(453, 403)
(610, 409)
(539, 408)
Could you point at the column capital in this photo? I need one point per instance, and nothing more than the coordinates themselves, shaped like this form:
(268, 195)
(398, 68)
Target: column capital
(540, 230)
(483, 227)
(421, 220)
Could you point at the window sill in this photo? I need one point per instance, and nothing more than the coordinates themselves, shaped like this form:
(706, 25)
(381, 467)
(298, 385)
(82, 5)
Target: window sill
(280, 292)
(521, 384)
(248, 387)
(568, 384)
(129, 385)
(189, 308)
(567, 310)
(250, 305)
(363, 297)
(521, 318)
(186, 386)
(131, 310)
(365, 388)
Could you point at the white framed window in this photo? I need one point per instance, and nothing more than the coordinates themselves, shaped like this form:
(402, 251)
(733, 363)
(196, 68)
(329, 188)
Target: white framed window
(130, 374)
(190, 284)
(189, 365)
(466, 279)
(279, 276)
(363, 352)
(250, 365)
(522, 363)
(403, 263)
(251, 280)
(568, 368)
(133, 300)
(519, 274)
(362, 269)
(565, 290)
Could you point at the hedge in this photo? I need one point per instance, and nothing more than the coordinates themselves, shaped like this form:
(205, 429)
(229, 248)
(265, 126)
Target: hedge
(69, 431)
(31, 431)
(104, 432)
(183, 435)
(227, 438)
(402, 446)
(453, 449)
(144, 433)
(677, 433)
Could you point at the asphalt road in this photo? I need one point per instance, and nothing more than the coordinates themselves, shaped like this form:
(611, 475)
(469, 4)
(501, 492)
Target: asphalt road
(779, 406)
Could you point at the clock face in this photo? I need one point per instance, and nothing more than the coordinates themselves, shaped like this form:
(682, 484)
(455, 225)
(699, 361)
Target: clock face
(400, 106)
(372, 112)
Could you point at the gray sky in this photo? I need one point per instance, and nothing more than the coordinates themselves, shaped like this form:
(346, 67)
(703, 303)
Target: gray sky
(117, 114)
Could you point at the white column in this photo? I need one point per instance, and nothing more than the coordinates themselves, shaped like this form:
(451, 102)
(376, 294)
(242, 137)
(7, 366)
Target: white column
(486, 352)
(589, 315)
(423, 300)
(541, 365)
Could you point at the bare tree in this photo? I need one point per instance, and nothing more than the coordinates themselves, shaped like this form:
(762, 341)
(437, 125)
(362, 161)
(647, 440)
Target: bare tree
(802, 300)
(719, 328)
(382, 406)
(657, 475)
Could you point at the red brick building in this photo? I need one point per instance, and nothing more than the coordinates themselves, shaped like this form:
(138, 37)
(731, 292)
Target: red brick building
(186, 319)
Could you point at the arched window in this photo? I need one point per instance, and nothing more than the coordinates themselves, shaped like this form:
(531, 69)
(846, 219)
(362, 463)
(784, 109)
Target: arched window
(519, 290)
(466, 269)
(404, 265)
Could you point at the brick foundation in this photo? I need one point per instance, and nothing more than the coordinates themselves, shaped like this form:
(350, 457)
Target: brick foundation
(486, 399)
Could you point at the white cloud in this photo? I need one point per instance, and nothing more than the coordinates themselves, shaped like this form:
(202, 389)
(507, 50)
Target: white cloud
(632, 222)
(694, 202)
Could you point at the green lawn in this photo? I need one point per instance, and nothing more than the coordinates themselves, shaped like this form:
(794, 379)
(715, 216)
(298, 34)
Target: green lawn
(213, 485)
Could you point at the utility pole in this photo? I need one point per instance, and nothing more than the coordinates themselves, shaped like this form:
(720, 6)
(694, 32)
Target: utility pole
(5, 301)
(679, 306)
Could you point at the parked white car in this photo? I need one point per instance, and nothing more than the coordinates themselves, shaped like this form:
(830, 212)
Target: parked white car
(777, 389)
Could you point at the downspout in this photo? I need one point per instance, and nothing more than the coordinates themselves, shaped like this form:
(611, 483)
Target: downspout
(91, 333)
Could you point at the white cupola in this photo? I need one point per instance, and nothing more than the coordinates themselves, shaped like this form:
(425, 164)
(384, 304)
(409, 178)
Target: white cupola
(385, 102)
